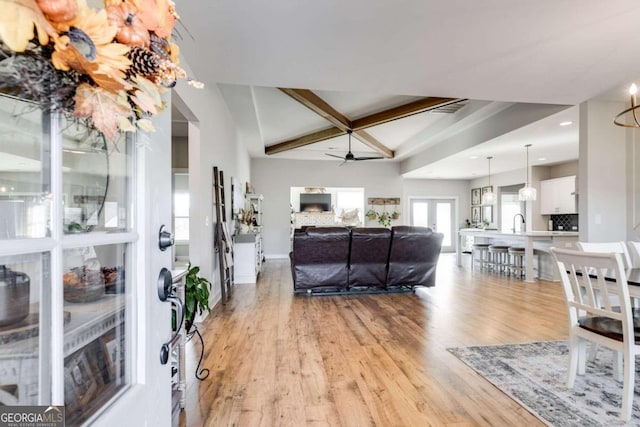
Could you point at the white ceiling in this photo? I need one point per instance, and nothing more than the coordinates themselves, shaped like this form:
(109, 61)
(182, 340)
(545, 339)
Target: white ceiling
(363, 56)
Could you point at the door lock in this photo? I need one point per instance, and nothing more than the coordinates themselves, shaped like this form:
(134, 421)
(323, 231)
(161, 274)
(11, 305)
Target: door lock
(165, 238)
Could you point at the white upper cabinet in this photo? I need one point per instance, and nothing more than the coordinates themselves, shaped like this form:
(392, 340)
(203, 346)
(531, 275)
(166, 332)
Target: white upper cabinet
(558, 196)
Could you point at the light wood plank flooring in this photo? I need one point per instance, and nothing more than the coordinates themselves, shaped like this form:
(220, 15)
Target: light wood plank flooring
(282, 360)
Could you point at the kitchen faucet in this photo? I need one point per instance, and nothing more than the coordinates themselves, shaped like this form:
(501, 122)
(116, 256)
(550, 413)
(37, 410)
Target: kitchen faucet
(514, 221)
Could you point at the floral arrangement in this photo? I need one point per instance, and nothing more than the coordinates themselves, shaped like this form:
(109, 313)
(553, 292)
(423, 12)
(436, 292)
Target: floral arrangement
(247, 216)
(107, 67)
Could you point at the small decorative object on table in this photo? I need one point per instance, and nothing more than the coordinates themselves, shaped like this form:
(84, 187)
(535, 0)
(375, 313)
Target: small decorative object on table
(82, 284)
(246, 219)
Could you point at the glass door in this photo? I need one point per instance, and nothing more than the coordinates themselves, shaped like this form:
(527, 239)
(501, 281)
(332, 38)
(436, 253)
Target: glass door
(79, 311)
(439, 215)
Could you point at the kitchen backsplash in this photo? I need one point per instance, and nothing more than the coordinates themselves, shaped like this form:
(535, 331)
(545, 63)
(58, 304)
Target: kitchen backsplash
(567, 222)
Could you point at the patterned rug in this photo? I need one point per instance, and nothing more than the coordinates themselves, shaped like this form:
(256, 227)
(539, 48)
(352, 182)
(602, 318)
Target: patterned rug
(534, 375)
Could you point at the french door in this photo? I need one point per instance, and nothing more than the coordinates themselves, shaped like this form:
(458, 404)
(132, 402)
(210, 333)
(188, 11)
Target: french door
(80, 320)
(439, 215)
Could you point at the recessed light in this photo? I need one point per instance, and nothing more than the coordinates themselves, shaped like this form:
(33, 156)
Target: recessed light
(473, 157)
(331, 148)
(567, 123)
(542, 159)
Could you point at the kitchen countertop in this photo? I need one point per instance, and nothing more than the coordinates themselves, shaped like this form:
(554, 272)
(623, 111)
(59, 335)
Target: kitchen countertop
(534, 233)
(536, 239)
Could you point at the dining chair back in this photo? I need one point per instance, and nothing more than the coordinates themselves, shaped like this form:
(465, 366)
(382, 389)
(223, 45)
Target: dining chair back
(634, 252)
(606, 247)
(599, 311)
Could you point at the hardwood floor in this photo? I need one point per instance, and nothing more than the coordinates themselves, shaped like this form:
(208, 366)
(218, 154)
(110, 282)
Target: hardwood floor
(276, 359)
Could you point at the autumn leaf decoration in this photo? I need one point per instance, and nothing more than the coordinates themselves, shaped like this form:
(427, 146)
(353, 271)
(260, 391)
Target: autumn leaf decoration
(119, 59)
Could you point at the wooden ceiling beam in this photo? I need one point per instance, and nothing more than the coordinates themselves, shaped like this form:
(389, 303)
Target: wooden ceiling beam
(319, 106)
(308, 139)
(406, 110)
(341, 122)
(373, 143)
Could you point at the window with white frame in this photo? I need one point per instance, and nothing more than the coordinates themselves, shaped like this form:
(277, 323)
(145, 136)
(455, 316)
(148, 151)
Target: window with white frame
(348, 199)
(181, 206)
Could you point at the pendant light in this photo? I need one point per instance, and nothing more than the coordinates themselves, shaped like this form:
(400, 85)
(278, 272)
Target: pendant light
(527, 193)
(488, 197)
(636, 124)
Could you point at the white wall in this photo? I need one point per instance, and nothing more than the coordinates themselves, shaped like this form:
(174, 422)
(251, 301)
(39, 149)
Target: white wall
(213, 141)
(504, 179)
(274, 177)
(603, 183)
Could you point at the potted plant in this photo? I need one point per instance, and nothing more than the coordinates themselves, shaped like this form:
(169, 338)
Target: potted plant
(196, 295)
(371, 214)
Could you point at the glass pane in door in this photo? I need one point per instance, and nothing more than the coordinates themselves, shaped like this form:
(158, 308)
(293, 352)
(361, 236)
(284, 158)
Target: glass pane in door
(443, 221)
(95, 182)
(420, 211)
(24, 319)
(437, 214)
(25, 207)
(96, 357)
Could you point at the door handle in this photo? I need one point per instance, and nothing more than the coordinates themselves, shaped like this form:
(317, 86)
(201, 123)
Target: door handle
(166, 347)
(165, 293)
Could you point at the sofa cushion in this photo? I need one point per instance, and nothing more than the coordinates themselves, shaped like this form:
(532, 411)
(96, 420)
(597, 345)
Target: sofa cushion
(413, 256)
(368, 257)
(320, 258)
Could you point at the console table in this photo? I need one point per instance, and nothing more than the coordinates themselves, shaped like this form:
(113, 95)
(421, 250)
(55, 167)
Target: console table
(248, 255)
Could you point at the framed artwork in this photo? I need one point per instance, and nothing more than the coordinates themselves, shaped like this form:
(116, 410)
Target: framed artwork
(80, 383)
(475, 214)
(112, 352)
(487, 189)
(487, 213)
(475, 196)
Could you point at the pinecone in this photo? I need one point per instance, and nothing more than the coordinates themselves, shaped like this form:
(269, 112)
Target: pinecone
(143, 62)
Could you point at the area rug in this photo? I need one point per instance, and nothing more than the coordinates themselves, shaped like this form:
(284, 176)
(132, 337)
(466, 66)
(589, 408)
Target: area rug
(534, 375)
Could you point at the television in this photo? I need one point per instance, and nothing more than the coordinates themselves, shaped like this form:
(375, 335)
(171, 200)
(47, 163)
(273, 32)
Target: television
(315, 202)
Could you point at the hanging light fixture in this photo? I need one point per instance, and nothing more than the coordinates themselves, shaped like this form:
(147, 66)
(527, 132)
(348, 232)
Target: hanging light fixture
(527, 192)
(488, 197)
(632, 92)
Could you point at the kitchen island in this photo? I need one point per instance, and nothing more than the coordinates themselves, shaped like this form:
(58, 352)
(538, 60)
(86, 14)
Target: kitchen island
(540, 241)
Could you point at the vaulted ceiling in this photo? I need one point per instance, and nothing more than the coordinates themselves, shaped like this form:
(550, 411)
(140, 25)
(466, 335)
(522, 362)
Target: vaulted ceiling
(518, 66)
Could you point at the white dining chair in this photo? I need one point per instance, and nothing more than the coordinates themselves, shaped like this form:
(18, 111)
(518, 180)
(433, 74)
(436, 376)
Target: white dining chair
(602, 322)
(605, 247)
(634, 252)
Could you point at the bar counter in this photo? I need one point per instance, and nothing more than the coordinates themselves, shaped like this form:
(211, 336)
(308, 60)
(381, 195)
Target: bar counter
(529, 240)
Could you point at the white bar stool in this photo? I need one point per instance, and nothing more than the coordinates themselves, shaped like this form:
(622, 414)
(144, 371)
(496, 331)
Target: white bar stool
(516, 261)
(482, 249)
(499, 258)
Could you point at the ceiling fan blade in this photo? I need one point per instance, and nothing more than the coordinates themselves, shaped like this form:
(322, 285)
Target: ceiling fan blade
(333, 155)
(343, 163)
(368, 158)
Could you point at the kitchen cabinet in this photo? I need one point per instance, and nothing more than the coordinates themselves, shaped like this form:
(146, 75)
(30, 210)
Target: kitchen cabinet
(557, 196)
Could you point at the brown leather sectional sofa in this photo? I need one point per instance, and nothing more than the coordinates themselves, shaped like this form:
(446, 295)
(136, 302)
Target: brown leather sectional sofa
(339, 259)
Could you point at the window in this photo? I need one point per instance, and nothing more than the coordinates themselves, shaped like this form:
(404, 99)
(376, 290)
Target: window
(181, 206)
(350, 198)
(510, 206)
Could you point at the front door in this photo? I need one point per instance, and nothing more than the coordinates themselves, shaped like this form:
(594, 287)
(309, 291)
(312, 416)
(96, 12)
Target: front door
(79, 265)
(439, 215)
(148, 401)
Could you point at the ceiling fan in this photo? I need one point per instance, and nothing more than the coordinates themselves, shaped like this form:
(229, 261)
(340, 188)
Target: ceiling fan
(349, 157)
